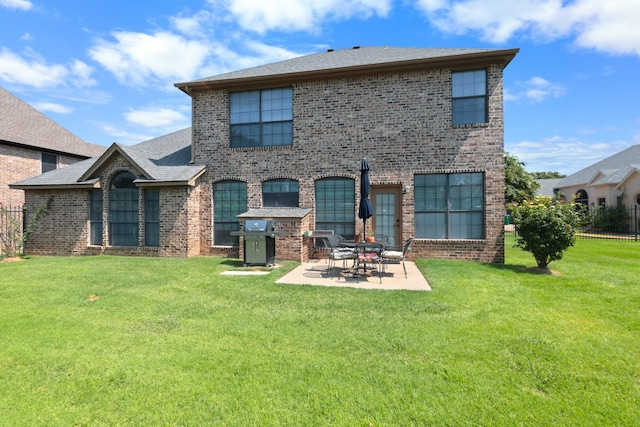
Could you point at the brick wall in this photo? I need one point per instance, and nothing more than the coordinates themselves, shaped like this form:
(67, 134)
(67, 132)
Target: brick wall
(400, 122)
(18, 163)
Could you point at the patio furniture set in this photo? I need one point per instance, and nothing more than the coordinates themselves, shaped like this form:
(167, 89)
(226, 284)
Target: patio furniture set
(357, 256)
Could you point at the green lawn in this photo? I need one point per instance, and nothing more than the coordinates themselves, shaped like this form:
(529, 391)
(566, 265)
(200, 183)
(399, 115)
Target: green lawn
(153, 342)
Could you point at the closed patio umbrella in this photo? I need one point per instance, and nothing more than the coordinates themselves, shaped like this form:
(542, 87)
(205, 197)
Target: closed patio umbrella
(365, 209)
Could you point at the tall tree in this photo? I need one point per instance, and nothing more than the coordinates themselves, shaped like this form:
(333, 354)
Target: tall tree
(520, 185)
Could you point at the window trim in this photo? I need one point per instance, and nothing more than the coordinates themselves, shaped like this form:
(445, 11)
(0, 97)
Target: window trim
(280, 195)
(133, 236)
(346, 228)
(262, 123)
(447, 208)
(96, 213)
(233, 241)
(46, 165)
(484, 96)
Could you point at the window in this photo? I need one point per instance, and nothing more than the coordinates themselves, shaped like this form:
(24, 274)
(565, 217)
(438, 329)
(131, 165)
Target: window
(261, 118)
(469, 97)
(280, 193)
(123, 211)
(95, 217)
(229, 201)
(449, 206)
(49, 162)
(582, 198)
(335, 206)
(151, 217)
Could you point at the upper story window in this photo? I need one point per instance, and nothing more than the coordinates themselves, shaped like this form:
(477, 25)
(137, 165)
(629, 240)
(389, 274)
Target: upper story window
(49, 162)
(469, 97)
(261, 118)
(280, 193)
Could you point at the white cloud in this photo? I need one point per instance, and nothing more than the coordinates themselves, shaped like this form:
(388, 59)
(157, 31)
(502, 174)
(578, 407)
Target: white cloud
(607, 26)
(156, 117)
(124, 137)
(141, 59)
(560, 154)
(17, 4)
(536, 89)
(300, 15)
(53, 107)
(30, 72)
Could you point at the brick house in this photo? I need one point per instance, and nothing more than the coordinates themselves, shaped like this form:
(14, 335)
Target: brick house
(284, 142)
(31, 144)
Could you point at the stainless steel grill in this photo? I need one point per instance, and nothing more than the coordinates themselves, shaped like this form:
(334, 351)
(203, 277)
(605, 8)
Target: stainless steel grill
(259, 242)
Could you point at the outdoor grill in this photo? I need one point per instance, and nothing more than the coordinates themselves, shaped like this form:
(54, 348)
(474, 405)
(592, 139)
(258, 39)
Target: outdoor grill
(259, 242)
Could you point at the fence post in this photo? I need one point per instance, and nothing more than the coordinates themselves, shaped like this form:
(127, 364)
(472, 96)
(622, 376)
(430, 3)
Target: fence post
(635, 220)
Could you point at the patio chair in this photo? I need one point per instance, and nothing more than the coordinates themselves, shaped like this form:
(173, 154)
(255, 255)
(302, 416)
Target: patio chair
(368, 253)
(338, 253)
(397, 255)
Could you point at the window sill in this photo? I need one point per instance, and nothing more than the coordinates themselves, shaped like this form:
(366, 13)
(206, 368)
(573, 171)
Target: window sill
(471, 126)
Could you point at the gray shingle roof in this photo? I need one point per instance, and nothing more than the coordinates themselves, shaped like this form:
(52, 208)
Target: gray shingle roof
(22, 124)
(611, 170)
(166, 159)
(345, 59)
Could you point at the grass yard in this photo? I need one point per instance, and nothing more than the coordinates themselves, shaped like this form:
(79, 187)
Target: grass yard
(105, 341)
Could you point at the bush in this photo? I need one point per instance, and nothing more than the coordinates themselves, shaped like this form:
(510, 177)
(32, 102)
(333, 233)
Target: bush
(545, 227)
(610, 218)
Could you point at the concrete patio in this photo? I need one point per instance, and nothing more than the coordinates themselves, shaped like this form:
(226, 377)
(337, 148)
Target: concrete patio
(315, 272)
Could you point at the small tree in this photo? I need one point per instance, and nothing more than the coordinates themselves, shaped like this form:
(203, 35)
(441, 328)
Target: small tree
(520, 185)
(545, 227)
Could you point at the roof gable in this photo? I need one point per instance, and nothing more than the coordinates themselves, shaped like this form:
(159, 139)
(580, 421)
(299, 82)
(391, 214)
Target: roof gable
(22, 124)
(160, 161)
(607, 171)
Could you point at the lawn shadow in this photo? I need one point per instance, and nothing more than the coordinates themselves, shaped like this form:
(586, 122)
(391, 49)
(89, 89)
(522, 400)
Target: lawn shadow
(523, 269)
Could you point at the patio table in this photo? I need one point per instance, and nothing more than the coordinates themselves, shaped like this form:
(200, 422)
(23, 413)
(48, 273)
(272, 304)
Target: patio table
(367, 253)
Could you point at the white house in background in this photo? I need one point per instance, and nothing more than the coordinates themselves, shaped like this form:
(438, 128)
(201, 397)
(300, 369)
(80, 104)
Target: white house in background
(605, 182)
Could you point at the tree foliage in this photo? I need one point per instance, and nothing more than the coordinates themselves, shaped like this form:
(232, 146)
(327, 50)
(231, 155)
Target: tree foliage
(547, 175)
(545, 227)
(520, 185)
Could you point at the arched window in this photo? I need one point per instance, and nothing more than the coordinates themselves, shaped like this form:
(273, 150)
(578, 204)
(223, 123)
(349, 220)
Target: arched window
(582, 198)
(123, 210)
(335, 206)
(280, 193)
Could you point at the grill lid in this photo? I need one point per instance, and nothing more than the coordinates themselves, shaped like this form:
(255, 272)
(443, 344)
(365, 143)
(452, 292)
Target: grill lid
(258, 225)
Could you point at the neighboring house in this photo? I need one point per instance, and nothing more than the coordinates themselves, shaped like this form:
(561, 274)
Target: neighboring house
(605, 182)
(548, 187)
(284, 142)
(31, 144)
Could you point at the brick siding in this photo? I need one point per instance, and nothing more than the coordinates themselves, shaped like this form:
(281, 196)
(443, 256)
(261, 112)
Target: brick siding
(18, 163)
(400, 122)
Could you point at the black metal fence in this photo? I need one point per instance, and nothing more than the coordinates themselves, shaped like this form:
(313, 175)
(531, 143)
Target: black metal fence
(12, 225)
(603, 222)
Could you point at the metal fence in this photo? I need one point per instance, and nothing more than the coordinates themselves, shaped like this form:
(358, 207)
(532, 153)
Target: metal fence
(603, 222)
(12, 225)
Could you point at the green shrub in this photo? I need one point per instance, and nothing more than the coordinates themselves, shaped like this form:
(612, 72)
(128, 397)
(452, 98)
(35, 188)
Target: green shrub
(545, 227)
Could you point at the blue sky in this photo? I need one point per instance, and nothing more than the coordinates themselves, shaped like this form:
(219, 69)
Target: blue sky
(105, 69)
